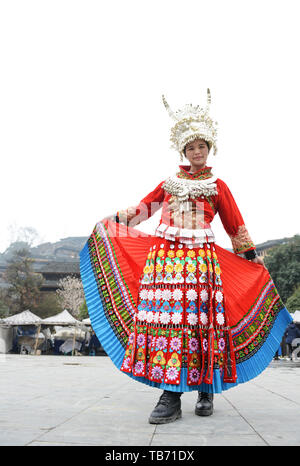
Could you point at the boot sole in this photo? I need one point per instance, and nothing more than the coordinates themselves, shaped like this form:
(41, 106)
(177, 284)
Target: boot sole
(204, 412)
(165, 420)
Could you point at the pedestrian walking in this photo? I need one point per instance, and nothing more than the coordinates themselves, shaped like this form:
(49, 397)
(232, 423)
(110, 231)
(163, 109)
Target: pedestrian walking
(292, 332)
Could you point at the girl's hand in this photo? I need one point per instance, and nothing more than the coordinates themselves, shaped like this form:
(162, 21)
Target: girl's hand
(259, 260)
(109, 217)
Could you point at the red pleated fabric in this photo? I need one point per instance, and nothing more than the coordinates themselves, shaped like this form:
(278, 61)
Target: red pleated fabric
(238, 302)
(242, 280)
(131, 247)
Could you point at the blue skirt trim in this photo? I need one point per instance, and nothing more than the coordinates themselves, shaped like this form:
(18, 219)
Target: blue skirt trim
(246, 370)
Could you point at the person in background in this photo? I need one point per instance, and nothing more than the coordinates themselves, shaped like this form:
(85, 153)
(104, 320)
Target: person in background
(292, 332)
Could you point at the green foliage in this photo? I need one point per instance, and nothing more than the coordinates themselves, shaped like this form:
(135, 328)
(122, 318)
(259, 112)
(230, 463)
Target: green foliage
(48, 305)
(283, 263)
(293, 302)
(83, 311)
(4, 306)
(24, 290)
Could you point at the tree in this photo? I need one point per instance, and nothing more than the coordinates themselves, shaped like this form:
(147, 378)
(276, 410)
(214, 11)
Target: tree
(83, 311)
(71, 294)
(24, 284)
(29, 235)
(48, 305)
(4, 306)
(283, 263)
(293, 302)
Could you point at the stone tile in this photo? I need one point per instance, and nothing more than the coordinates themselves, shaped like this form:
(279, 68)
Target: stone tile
(116, 435)
(283, 437)
(18, 437)
(273, 420)
(57, 400)
(216, 424)
(205, 440)
(261, 399)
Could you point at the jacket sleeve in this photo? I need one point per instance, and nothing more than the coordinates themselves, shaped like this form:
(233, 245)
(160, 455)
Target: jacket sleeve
(232, 220)
(145, 209)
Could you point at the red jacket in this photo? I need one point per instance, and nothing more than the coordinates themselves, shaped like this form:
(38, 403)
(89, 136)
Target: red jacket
(200, 213)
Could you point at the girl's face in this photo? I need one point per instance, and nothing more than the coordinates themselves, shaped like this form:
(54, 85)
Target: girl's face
(197, 152)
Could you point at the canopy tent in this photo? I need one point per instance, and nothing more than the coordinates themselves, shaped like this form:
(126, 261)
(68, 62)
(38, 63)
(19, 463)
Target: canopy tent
(6, 338)
(63, 318)
(87, 321)
(23, 318)
(296, 317)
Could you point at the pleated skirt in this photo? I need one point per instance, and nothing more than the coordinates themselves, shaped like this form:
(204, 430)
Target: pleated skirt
(180, 317)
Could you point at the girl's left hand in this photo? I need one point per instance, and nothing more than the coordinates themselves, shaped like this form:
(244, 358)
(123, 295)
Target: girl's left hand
(258, 260)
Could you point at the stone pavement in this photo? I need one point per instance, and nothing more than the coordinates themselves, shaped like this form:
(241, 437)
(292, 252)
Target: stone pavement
(64, 400)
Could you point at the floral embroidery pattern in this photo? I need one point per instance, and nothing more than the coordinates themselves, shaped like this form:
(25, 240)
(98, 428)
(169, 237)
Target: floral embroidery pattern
(202, 174)
(166, 326)
(242, 241)
(180, 299)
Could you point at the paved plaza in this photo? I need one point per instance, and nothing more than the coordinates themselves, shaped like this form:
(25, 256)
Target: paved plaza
(64, 400)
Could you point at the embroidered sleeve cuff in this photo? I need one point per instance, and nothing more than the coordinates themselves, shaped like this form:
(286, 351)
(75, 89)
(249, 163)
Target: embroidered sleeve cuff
(241, 242)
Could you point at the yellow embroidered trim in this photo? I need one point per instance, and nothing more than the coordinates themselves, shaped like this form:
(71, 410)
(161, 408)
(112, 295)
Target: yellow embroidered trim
(242, 241)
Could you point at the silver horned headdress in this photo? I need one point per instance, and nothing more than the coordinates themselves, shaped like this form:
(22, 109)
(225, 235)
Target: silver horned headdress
(192, 123)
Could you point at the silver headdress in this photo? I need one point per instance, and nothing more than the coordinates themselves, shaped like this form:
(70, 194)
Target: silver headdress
(192, 123)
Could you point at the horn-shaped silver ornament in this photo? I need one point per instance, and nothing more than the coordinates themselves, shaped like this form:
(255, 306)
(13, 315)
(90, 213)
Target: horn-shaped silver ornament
(170, 112)
(208, 98)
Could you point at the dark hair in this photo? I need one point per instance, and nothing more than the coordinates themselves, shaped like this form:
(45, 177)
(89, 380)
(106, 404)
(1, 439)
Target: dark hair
(192, 141)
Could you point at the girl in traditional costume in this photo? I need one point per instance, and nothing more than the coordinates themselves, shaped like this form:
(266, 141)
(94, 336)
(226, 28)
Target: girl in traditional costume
(175, 310)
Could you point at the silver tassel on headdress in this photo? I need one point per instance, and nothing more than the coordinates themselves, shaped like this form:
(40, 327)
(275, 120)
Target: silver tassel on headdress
(208, 99)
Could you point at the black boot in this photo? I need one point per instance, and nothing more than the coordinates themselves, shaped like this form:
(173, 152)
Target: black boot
(168, 408)
(204, 405)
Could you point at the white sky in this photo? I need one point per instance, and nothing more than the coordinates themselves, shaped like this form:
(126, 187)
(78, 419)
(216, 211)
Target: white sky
(83, 131)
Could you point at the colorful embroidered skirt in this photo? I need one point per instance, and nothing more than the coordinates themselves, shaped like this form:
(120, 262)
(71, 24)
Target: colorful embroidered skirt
(180, 317)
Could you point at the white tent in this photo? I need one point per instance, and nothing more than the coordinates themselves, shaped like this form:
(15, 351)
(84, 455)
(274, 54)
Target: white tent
(87, 321)
(70, 331)
(296, 317)
(26, 318)
(63, 318)
(23, 318)
(6, 338)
